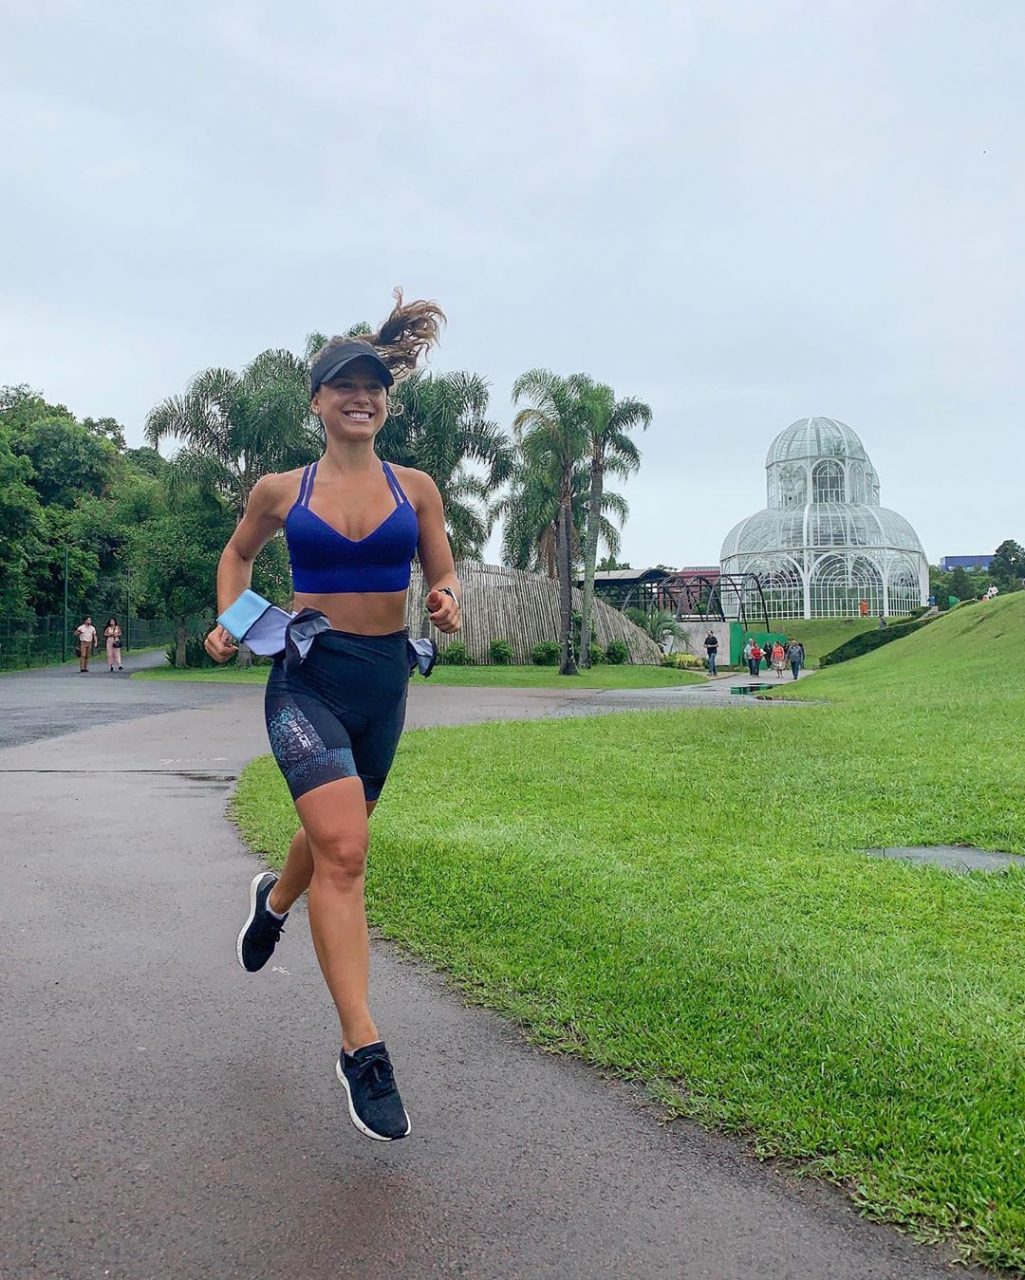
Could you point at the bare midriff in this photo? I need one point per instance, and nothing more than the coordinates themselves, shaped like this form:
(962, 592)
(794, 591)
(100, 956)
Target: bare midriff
(364, 613)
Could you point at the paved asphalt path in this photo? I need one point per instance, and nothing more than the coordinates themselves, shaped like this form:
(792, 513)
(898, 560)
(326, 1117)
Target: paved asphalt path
(165, 1116)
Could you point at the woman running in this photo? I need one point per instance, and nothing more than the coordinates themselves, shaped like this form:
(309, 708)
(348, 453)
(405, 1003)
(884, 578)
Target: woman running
(112, 636)
(352, 524)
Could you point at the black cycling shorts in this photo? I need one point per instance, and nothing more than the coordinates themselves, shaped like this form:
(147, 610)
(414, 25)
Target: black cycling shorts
(339, 714)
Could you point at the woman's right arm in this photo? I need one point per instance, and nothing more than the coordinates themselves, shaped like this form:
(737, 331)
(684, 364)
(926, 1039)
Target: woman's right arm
(235, 567)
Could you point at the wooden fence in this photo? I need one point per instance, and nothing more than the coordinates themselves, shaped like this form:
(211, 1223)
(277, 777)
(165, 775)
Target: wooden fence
(522, 608)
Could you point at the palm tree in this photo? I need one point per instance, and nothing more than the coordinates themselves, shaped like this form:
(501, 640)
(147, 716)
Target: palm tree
(531, 517)
(611, 450)
(661, 624)
(236, 427)
(442, 428)
(552, 435)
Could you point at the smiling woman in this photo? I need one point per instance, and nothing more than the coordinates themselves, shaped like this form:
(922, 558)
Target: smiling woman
(335, 712)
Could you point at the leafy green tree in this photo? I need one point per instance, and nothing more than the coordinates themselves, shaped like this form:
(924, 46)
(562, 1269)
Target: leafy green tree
(609, 563)
(1007, 568)
(552, 434)
(176, 553)
(959, 584)
(107, 429)
(610, 450)
(67, 461)
(237, 427)
(20, 530)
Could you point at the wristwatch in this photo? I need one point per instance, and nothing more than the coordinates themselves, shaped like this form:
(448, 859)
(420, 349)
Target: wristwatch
(447, 591)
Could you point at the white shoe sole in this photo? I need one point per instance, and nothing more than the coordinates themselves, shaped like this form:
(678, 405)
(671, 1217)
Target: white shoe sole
(252, 913)
(368, 1133)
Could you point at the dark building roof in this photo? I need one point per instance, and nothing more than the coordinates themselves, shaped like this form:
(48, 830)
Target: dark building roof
(627, 576)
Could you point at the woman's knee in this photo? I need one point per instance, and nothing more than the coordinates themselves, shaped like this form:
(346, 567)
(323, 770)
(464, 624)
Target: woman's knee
(343, 857)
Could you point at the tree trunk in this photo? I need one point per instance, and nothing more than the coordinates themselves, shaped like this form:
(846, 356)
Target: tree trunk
(179, 643)
(590, 557)
(567, 666)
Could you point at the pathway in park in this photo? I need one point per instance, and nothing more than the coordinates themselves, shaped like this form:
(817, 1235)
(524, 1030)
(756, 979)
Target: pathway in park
(166, 1116)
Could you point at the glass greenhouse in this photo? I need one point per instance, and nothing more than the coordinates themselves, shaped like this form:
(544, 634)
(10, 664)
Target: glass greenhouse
(824, 547)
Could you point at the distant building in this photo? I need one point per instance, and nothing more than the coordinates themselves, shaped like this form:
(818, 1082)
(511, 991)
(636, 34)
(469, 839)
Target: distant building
(823, 547)
(965, 562)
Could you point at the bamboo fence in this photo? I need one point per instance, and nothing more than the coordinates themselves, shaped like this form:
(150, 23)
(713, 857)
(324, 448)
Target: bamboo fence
(521, 608)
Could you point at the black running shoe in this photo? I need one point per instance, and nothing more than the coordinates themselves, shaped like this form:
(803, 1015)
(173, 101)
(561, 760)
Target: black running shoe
(260, 933)
(375, 1107)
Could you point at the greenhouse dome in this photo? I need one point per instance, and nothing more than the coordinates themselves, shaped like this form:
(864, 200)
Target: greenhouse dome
(824, 547)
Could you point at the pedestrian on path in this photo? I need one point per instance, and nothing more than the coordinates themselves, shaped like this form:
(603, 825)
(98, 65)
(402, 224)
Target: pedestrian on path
(85, 634)
(712, 650)
(352, 525)
(779, 658)
(795, 656)
(755, 661)
(112, 637)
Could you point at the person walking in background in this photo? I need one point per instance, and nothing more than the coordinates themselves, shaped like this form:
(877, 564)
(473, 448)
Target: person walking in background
(712, 650)
(795, 656)
(85, 635)
(755, 662)
(112, 636)
(779, 657)
(749, 645)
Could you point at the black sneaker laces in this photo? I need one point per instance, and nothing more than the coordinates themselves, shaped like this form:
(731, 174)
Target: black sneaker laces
(376, 1073)
(270, 927)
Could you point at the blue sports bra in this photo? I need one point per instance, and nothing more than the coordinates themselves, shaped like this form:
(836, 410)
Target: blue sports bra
(325, 561)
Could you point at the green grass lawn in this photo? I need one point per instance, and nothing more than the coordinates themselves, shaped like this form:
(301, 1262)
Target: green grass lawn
(681, 897)
(604, 677)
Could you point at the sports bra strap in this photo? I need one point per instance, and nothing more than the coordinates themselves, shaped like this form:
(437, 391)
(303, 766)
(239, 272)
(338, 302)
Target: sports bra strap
(306, 485)
(394, 485)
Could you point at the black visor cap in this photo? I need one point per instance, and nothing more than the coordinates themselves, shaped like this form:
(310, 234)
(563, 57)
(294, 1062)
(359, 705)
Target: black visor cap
(332, 362)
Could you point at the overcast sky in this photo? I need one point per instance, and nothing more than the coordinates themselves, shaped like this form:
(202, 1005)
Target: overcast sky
(741, 211)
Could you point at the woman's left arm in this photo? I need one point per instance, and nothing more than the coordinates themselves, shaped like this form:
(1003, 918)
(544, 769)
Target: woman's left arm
(436, 558)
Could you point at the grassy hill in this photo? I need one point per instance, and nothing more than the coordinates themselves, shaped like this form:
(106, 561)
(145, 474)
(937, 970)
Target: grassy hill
(970, 655)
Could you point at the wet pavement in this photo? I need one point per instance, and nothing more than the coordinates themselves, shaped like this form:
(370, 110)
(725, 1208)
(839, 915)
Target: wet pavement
(165, 1115)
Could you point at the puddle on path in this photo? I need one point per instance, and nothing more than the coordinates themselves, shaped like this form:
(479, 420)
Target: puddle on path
(750, 688)
(954, 857)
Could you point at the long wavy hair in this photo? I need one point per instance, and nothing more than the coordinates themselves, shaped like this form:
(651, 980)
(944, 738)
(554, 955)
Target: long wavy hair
(408, 333)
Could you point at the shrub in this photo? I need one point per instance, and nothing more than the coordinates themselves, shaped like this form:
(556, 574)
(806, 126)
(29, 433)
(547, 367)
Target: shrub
(501, 652)
(683, 661)
(597, 655)
(454, 655)
(546, 654)
(866, 641)
(617, 652)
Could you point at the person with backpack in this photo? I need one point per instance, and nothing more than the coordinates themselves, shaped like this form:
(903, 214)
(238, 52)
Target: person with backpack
(795, 656)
